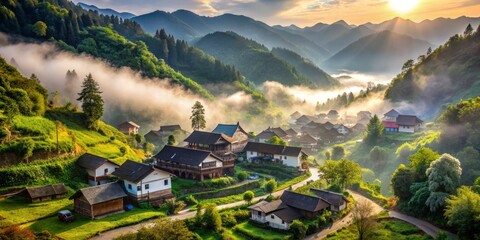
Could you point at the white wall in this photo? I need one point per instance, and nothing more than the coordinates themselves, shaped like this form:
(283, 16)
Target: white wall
(156, 182)
(212, 159)
(407, 129)
(290, 161)
(258, 218)
(276, 222)
(251, 154)
(100, 171)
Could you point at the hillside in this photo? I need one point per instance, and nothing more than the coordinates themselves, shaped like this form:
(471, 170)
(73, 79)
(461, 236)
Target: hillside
(307, 68)
(381, 52)
(30, 125)
(449, 74)
(189, 26)
(106, 11)
(242, 52)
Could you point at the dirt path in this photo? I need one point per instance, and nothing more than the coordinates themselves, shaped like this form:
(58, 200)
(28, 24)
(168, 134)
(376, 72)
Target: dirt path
(111, 234)
(423, 225)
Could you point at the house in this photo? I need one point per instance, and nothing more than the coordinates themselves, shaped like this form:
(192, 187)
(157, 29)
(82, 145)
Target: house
(98, 168)
(217, 143)
(408, 123)
(291, 206)
(291, 133)
(337, 200)
(168, 130)
(364, 114)
(390, 126)
(304, 119)
(128, 128)
(333, 115)
(295, 115)
(359, 128)
(307, 142)
(99, 200)
(44, 193)
(269, 133)
(143, 182)
(290, 156)
(310, 126)
(153, 137)
(342, 129)
(192, 163)
(328, 125)
(391, 115)
(236, 132)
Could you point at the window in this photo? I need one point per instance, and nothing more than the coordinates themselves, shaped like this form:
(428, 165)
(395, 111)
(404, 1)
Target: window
(105, 171)
(147, 186)
(283, 222)
(272, 217)
(165, 182)
(259, 213)
(139, 188)
(130, 186)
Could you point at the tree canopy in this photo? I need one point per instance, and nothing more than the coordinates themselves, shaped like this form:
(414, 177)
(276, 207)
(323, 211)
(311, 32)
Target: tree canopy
(375, 131)
(92, 102)
(198, 116)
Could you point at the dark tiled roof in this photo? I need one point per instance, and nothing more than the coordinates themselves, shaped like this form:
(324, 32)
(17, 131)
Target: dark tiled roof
(153, 133)
(129, 123)
(208, 138)
(133, 171)
(170, 128)
(101, 193)
(306, 139)
(279, 131)
(305, 118)
(272, 149)
(408, 120)
(227, 129)
(181, 155)
(44, 191)
(288, 214)
(268, 207)
(392, 113)
(266, 134)
(291, 132)
(92, 162)
(331, 197)
(303, 202)
(328, 125)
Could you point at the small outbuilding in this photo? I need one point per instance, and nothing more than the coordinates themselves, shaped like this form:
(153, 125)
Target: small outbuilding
(99, 200)
(44, 193)
(98, 168)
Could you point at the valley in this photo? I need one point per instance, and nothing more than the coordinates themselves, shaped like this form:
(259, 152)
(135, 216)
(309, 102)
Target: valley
(182, 124)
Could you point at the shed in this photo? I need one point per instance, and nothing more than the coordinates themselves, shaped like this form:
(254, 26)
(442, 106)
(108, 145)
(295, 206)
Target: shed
(44, 193)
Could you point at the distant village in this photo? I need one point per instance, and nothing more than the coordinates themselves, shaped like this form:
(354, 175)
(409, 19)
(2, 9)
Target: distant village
(211, 154)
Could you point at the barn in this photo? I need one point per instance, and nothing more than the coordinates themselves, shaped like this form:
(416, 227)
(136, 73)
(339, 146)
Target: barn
(44, 193)
(99, 200)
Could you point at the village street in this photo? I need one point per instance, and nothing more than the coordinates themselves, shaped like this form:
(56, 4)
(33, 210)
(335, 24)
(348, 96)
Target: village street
(188, 214)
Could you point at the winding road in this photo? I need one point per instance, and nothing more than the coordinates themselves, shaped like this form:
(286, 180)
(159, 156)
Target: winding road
(184, 214)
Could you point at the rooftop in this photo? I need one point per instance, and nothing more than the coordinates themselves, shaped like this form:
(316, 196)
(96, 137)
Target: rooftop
(273, 149)
(181, 155)
(92, 162)
(101, 193)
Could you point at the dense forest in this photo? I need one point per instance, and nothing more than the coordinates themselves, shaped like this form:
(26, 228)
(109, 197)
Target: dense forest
(440, 77)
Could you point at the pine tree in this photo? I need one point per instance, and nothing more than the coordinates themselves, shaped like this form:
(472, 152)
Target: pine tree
(468, 30)
(375, 130)
(92, 102)
(198, 116)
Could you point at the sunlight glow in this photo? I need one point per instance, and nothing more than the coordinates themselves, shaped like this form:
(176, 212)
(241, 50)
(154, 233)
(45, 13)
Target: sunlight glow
(403, 6)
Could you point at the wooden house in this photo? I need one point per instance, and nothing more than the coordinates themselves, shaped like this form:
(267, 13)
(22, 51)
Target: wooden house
(44, 193)
(307, 142)
(304, 119)
(217, 143)
(291, 206)
(143, 182)
(154, 137)
(408, 123)
(192, 163)
(337, 200)
(290, 156)
(269, 133)
(128, 128)
(99, 200)
(234, 131)
(98, 168)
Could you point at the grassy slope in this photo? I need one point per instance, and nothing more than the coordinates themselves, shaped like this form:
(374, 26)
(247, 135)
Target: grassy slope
(259, 233)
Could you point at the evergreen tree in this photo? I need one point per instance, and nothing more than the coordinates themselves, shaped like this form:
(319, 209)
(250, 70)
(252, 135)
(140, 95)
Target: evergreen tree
(198, 116)
(429, 51)
(92, 102)
(468, 30)
(375, 131)
(171, 140)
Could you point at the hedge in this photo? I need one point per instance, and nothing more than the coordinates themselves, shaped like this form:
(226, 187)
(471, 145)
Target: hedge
(227, 191)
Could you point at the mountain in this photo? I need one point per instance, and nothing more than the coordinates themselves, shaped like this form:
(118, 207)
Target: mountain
(347, 37)
(306, 67)
(449, 74)
(189, 26)
(106, 11)
(254, 60)
(380, 52)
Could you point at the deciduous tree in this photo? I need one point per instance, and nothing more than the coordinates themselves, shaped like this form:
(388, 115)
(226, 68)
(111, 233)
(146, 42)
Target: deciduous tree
(338, 152)
(198, 116)
(248, 196)
(443, 179)
(463, 211)
(270, 186)
(277, 141)
(420, 161)
(363, 218)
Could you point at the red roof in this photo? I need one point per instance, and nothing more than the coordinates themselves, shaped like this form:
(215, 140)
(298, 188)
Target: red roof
(390, 124)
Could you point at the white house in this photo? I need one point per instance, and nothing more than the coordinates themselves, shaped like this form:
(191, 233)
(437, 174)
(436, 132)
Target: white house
(143, 182)
(98, 168)
(290, 156)
(342, 129)
(408, 123)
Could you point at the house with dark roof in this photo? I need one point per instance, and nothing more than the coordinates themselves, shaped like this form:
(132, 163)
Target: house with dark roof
(268, 133)
(408, 123)
(154, 137)
(98, 168)
(290, 156)
(128, 128)
(391, 115)
(143, 182)
(307, 142)
(337, 200)
(304, 119)
(218, 143)
(295, 115)
(191, 163)
(235, 131)
(99, 200)
(291, 133)
(342, 129)
(44, 193)
(291, 206)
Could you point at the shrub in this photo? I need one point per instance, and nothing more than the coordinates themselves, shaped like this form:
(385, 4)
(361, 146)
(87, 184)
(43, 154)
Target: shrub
(123, 150)
(242, 215)
(228, 219)
(298, 229)
(16, 232)
(191, 200)
(248, 196)
(211, 218)
(242, 175)
(173, 207)
(335, 188)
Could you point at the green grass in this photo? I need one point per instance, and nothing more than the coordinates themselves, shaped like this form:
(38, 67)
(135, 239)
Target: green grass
(254, 232)
(386, 229)
(17, 210)
(83, 227)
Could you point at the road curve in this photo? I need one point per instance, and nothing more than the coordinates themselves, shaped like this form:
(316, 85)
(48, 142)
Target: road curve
(111, 234)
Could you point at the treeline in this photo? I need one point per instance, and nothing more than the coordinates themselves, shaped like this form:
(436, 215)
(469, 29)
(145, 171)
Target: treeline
(345, 99)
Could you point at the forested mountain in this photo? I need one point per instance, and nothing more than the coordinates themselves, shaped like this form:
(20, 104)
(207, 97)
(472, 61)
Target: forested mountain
(381, 52)
(106, 11)
(252, 59)
(307, 68)
(189, 26)
(346, 38)
(448, 74)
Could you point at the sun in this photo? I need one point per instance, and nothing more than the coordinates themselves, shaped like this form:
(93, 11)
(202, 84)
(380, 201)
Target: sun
(403, 6)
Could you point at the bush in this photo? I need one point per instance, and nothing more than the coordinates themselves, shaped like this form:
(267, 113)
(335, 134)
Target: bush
(15, 232)
(123, 150)
(211, 218)
(191, 200)
(298, 229)
(242, 175)
(173, 207)
(228, 219)
(335, 188)
(248, 196)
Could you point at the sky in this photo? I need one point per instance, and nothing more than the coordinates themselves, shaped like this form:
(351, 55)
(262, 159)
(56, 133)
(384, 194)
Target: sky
(303, 12)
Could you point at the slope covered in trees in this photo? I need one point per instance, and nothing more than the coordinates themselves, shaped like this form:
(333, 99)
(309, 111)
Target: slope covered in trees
(252, 59)
(446, 75)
